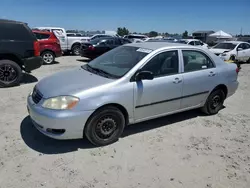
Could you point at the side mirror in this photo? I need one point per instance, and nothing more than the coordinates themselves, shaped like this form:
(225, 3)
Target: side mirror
(239, 49)
(144, 75)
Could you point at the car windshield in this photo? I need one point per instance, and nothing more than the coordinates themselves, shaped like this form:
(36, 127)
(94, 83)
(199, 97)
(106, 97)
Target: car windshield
(117, 62)
(228, 46)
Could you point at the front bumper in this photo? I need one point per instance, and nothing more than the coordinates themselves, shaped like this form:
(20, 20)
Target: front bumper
(45, 119)
(32, 63)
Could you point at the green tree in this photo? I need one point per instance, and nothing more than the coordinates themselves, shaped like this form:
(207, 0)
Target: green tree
(153, 34)
(122, 31)
(185, 35)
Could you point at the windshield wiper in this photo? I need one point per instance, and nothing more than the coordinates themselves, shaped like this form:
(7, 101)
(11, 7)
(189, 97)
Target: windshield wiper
(98, 71)
(104, 72)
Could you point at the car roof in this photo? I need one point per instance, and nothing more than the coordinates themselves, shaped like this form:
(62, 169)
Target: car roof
(158, 45)
(189, 40)
(10, 21)
(233, 42)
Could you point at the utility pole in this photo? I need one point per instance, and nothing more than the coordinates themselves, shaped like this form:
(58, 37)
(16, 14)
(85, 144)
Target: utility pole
(241, 31)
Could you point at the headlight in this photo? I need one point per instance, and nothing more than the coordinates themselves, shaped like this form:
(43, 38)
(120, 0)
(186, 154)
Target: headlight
(61, 103)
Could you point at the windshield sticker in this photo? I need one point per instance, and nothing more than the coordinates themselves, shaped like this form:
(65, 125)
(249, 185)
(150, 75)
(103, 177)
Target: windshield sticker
(144, 50)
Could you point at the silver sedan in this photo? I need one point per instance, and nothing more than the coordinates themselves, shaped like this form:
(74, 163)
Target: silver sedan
(129, 84)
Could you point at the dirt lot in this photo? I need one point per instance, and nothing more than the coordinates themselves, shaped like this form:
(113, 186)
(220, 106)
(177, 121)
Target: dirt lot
(186, 150)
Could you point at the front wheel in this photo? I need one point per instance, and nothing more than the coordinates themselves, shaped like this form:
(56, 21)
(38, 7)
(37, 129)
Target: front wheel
(10, 73)
(214, 102)
(105, 126)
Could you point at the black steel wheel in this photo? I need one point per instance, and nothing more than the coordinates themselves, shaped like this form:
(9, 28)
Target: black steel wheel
(214, 102)
(105, 126)
(10, 73)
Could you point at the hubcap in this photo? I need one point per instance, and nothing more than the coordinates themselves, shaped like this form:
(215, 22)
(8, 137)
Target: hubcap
(105, 127)
(7, 73)
(48, 58)
(216, 101)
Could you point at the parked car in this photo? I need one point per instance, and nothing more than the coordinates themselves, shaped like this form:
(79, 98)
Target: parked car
(49, 46)
(99, 46)
(232, 50)
(193, 42)
(98, 36)
(68, 43)
(129, 84)
(136, 36)
(19, 51)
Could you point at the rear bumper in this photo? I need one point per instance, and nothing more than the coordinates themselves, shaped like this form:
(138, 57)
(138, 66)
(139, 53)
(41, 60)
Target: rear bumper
(232, 87)
(32, 63)
(87, 54)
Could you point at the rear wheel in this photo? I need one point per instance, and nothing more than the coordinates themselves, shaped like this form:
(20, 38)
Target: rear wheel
(105, 126)
(76, 49)
(10, 73)
(48, 57)
(214, 102)
(232, 58)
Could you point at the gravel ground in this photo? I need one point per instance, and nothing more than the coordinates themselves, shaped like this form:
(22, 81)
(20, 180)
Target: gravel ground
(186, 150)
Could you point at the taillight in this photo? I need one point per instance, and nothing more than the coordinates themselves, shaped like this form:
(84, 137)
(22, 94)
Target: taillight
(36, 48)
(91, 47)
(237, 70)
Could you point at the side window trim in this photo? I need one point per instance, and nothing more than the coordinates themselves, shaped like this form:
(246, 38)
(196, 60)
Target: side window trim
(162, 51)
(192, 49)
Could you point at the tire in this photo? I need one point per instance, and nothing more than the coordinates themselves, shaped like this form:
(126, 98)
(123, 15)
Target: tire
(10, 73)
(248, 61)
(48, 57)
(232, 58)
(105, 126)
(214, 102)
(76, 49)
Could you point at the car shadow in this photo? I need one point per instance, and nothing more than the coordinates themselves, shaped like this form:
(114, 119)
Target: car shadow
(28, 79)
(43, 144)
(160, 122)
(53, 63)
(84, 60)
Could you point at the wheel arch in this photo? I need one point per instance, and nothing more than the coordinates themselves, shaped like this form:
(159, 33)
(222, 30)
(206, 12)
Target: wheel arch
(48, 50)
(74, 44)
(223, 87)
(12, 57)
(119, 106)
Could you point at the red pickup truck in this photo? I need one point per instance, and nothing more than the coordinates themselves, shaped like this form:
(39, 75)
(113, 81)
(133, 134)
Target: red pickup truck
(49, 46)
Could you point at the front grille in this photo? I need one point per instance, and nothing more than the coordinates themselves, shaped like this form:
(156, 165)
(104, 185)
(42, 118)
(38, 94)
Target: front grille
(36, 96)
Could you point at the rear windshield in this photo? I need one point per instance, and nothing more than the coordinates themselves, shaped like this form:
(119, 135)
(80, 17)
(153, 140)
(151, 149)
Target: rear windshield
(18, 32)
(41, 36)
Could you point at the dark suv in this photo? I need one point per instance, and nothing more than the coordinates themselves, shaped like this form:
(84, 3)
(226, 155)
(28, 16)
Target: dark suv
(19, 51)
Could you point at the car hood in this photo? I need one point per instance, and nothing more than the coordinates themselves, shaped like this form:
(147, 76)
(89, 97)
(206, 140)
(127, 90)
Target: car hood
(70, 82)
(218, 51)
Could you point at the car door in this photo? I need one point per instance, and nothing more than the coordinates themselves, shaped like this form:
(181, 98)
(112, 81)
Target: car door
(199, 77)
(240, 52)
(245, 52)
(161, 95)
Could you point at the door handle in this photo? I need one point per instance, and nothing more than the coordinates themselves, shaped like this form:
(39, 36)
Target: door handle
(177, 81)
(212, 73)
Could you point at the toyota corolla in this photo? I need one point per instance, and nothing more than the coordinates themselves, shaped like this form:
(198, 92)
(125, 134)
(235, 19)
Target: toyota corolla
(129, 84)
